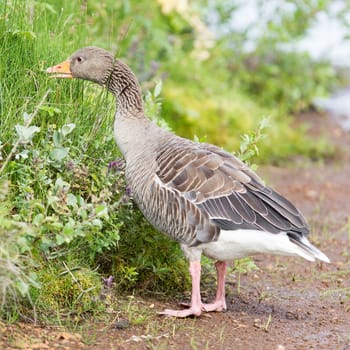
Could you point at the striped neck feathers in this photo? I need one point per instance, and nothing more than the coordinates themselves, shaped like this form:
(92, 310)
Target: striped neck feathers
(123, 84)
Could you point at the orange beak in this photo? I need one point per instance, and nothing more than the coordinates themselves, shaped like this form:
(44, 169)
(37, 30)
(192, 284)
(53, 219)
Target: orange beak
(62, 70)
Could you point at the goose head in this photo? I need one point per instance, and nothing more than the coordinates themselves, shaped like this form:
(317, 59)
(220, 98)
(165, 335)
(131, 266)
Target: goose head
(89, 63)
(99, 66)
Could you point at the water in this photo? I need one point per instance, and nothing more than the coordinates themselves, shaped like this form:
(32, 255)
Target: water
(329, 38)
(338, 105)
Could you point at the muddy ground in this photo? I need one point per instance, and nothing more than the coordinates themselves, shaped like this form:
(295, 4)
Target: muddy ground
(288, 303)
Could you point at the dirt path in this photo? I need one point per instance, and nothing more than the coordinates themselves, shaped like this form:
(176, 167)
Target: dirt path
(286, 304)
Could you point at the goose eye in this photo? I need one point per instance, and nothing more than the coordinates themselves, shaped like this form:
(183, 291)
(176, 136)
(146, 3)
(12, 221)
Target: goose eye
(80, 59)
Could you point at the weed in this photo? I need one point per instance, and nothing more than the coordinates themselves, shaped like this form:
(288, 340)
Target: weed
(264, 295)
(222, 335)
(242, 266)
(249, 142)
(264, 326)
(193, 344)
(137, 313)
(267, 324)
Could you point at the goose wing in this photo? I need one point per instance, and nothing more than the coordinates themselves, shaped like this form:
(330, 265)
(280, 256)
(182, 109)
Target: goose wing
(226, 189)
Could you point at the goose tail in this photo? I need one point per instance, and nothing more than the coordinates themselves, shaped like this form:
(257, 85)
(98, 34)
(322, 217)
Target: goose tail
(307, 250)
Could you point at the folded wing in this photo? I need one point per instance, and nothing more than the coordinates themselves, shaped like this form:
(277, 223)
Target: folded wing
(225, 189)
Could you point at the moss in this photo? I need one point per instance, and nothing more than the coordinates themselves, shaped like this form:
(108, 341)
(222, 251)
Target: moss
(72, 289)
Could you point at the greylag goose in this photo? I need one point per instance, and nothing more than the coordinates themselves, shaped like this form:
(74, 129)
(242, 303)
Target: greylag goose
(196, 193)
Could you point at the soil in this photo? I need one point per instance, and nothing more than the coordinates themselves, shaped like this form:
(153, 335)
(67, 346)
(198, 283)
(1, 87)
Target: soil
(288, 303)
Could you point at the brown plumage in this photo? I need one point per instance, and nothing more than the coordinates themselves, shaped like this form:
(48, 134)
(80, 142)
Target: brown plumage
(231, 194)
(199, 195)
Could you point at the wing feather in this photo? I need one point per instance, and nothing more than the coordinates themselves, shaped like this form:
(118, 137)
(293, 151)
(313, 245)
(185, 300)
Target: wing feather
(255, 203)
(225, 189)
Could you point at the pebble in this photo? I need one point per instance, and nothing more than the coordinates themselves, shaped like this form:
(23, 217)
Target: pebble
(123, 323)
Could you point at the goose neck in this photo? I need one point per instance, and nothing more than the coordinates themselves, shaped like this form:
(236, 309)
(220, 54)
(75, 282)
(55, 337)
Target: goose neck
(123, 84)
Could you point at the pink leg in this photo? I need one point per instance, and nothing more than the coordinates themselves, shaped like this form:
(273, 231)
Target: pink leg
(196, 304)
(219, 303)
(196, 307)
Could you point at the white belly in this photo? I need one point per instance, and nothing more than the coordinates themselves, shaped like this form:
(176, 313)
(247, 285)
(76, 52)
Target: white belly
(241, 243)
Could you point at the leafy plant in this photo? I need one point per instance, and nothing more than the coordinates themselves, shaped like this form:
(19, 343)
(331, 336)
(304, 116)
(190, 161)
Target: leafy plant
(78, 212)
(17, 267)
(243, 266)
(249, 142)
(153, 106)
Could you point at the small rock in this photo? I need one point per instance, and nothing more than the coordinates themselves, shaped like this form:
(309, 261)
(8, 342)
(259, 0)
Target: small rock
(66, 336)
(123, 323)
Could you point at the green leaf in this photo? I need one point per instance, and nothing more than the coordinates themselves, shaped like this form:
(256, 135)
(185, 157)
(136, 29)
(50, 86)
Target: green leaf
(24, 244)
(60, 239)
(38, 219)
(54, 226)
(80, 201)
(97, 223)
(50, 110)
(24, 34)
(22, 287)
(71, 200)
(57, 139)
(67, 129)
(68, 230)
(59, 153)
(158, 89)
(23, 154)
(26, 133)
(83, 214)
(46, 243)
(52, 199)
(101, 210)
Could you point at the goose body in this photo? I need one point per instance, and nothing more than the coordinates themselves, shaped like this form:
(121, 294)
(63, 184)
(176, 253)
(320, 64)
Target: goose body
(196, 193)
